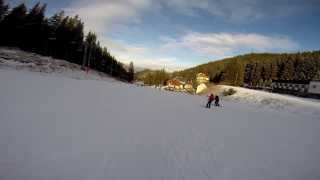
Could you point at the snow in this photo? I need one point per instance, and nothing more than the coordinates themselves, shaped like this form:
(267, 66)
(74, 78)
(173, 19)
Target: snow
(60, 128)
(281, 102)
(201, 88)
(55, 126)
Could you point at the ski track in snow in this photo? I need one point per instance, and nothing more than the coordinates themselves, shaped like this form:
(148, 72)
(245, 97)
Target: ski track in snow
(54, 126)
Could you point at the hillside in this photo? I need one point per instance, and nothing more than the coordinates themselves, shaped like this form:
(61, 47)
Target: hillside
(259, 69)
(56, 127)
(153, 77)
(13, 58)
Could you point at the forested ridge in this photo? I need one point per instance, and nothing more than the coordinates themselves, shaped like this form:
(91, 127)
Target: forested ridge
(259, 69)
(153, 77)
(59, 36)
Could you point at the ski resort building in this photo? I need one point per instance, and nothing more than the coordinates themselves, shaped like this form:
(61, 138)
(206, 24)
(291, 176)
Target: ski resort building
(314, 89)
(299, 88)
(188, 87)
(175, 84)
(202, 78)
(181, 86)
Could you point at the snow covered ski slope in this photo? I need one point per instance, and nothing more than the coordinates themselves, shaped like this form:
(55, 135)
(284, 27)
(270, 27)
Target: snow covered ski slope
(59, 128)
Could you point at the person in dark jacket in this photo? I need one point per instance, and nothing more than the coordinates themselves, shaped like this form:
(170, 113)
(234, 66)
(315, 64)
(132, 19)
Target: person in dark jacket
(216, 101)
(210, 99)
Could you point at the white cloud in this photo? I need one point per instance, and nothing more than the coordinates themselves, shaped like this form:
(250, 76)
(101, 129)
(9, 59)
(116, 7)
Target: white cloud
(139, 55)
(103, 15)
(169, 64)
(225, 44)
(120, 48)
(187, 7)
(108, 16)
(242, 10)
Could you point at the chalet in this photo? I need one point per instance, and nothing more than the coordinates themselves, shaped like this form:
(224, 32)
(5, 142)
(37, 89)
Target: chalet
(175, 84)
(188, 87)
(202, 78)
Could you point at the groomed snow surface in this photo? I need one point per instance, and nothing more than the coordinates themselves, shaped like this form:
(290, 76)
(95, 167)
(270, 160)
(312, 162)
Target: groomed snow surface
(61, 128)
(56, 127)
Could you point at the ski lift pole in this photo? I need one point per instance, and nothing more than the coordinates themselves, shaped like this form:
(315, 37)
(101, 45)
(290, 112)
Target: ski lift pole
(89, 58)
(92, 53)
(85, 58)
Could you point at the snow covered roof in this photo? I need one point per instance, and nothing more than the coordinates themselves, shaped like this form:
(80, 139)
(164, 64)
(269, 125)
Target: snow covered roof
(175, 82)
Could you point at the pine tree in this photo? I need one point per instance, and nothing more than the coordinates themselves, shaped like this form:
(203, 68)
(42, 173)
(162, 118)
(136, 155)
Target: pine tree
(248, 73)
(36, 34)
(274, 69)
(78, 41)
(131, 72)
(288, 70)
(235, 72)
(3, 13)
(90, 43)
(13, 26)
(3, 9)
(53, 23)
(317, 76)
(267, 74)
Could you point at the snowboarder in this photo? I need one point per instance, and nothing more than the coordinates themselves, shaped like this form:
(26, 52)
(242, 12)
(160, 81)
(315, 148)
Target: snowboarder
(216, 101)
(210, 99)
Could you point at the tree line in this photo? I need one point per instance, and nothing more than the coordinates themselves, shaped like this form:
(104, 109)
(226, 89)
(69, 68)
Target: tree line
(153, 77)
(59, 36)
(259, 69)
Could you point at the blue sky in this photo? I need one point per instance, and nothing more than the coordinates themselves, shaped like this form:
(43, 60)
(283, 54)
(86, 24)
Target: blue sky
(175, 34)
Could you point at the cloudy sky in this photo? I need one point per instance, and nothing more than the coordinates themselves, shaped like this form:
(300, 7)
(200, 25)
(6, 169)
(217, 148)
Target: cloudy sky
(175, 34)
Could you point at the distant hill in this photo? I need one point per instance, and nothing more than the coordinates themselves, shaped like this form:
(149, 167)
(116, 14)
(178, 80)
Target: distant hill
(139, 75)
(153, 77)
(258, 69)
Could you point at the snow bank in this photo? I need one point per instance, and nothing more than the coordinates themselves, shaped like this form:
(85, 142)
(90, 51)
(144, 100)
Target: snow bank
(273, 100)
(60, 128)
(201, 88)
